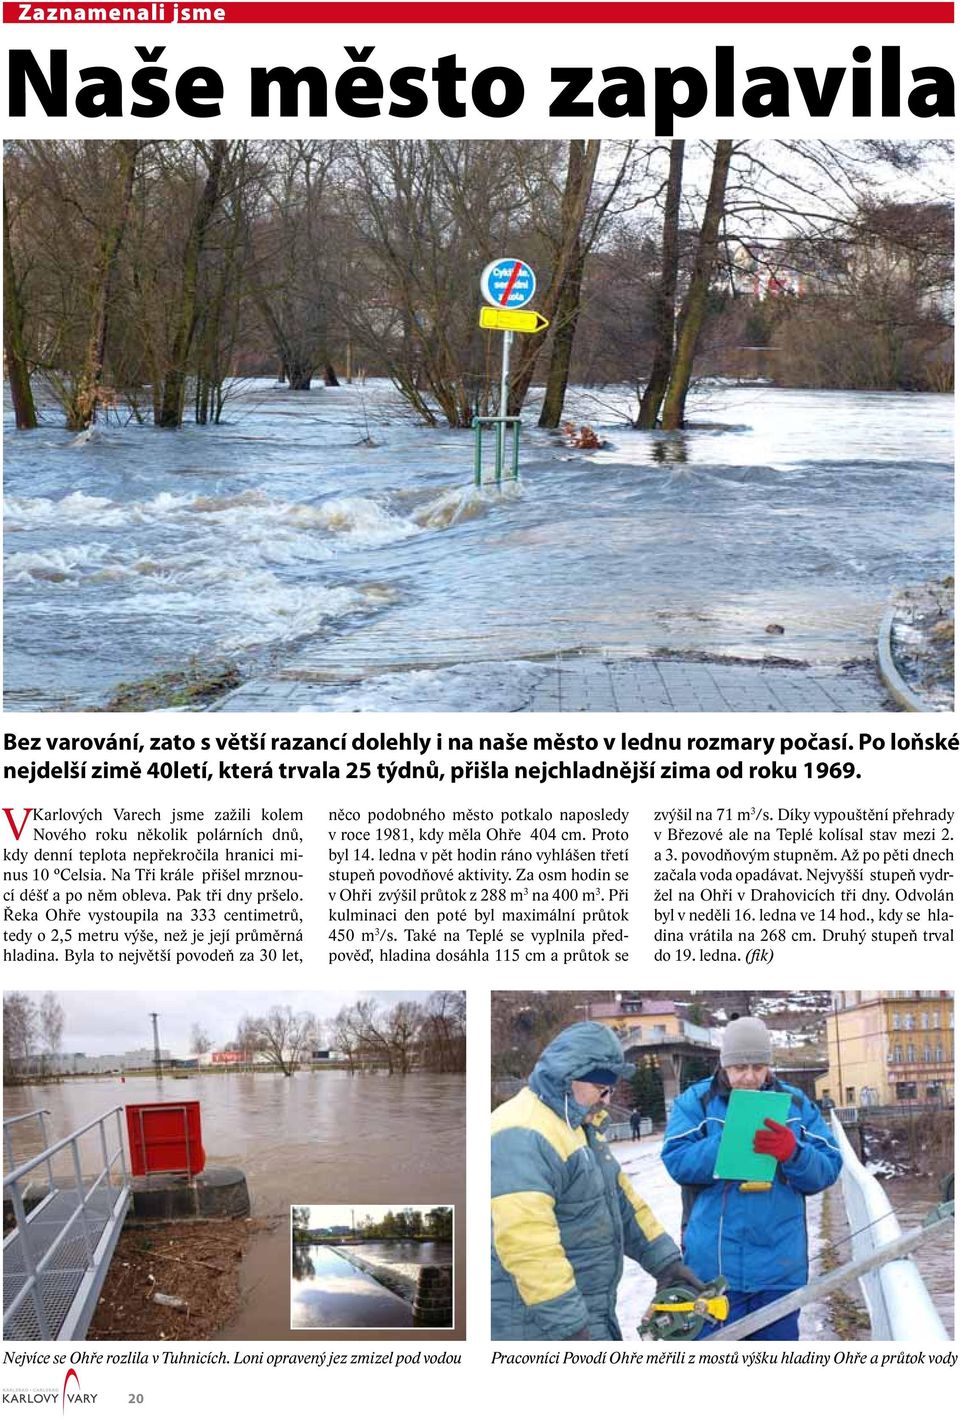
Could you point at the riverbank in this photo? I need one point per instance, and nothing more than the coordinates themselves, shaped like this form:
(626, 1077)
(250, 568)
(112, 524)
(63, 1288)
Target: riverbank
(197, 1264)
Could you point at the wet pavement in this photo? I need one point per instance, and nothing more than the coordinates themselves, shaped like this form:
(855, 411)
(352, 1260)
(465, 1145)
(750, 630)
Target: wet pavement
(591, 684)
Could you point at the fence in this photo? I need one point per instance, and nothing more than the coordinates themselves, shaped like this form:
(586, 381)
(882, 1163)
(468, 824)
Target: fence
(55, 1260)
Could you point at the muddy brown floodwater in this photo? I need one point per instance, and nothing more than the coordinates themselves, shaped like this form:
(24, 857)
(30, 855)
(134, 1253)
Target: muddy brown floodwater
(321, 1138)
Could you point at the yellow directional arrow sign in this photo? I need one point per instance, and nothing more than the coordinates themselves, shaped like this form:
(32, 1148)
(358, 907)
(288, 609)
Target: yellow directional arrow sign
(528, 322)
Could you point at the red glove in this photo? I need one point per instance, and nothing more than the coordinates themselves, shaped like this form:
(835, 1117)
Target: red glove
(775, 1140)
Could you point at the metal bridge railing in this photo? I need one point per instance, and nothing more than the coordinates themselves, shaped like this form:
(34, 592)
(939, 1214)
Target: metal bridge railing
(898, 1301)
(55, 1260)
(9, 1124)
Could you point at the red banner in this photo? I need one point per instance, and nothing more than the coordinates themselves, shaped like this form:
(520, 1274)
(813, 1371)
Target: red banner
(480, 12)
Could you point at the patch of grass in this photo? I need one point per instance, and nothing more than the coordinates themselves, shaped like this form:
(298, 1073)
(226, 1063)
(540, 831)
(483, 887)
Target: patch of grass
(849, 1317)
(197, 683)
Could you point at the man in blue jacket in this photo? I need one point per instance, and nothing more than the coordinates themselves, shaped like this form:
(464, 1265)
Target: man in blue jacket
(564, 1213)
(754, 1234)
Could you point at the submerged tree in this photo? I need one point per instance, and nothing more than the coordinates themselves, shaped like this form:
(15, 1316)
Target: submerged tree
(694, 308)
(187, 307)
(87, 390)
(665, 299)
(292, 266)
(282, 1038)
(14, 343)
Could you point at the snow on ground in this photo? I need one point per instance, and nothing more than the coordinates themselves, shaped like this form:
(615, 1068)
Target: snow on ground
(641, 1162)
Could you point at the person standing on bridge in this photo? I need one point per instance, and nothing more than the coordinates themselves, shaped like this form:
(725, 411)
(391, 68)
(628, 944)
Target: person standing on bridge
(752, 1233)
(564, 1213)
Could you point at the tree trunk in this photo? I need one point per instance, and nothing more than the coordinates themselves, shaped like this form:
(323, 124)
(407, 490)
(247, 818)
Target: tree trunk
(581, 167)
(561, 351)
(82, 410)
(18, 368)
(299, 376)
(175, 376)
(665, 308)
(695, 304)
(330, 377)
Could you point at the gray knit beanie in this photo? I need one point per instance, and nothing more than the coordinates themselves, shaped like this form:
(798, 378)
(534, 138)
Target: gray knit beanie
(746, 1041)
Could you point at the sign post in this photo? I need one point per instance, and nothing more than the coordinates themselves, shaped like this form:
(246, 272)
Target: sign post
(507, 285)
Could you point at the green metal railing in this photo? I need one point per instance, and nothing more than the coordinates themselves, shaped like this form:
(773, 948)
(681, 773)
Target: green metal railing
(500, 425)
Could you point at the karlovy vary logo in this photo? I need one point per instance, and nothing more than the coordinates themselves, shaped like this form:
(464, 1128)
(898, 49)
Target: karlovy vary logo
(70, 1394)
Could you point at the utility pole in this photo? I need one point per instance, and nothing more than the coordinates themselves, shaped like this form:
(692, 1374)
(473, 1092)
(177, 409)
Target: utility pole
(157, 1060)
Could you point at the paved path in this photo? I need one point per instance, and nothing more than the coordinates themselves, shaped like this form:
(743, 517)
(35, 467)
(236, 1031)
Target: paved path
(594, 684)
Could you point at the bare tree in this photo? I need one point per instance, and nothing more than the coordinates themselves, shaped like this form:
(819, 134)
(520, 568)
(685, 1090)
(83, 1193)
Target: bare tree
(14, 343)
(370, 1032)
(443, 1032)
(666, 293)
(403, 1027)
(187, 307)
(200, 1040)
(51, 1022)
(20, 1029)
(283, 1038)
(248, 1035)
(563, 288)
(694, 309)
(82, 411)
(424, 214)
(292, 268)
(342, 1036)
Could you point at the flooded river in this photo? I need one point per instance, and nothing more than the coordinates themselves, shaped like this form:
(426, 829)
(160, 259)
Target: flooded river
(329, 1292)
(320, 1138)
(327, 534)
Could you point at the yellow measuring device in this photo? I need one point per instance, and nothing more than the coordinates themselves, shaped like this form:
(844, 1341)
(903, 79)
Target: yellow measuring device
(678, 1312)
(716, 1309)
(525, 322)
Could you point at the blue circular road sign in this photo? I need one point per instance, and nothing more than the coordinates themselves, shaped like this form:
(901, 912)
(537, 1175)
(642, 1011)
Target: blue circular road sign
(508, 283)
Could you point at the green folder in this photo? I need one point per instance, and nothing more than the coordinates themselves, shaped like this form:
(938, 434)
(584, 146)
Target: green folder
(747, 1111)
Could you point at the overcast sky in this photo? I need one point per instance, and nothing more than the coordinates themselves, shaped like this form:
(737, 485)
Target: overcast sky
(113, 1021)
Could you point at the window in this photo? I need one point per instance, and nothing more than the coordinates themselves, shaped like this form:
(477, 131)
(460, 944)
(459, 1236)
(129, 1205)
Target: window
(911, 1054)
(897, 1054)
(895, 1020)
(924, 1020)
(906, 1090)
(908, 1021)
(935, 1019)
(851, 1096)
(938, 1053)
(927, 1054)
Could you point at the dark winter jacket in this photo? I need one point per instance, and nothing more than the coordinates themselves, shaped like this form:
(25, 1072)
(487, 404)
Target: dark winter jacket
(757, 1239)
(564, 1214)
